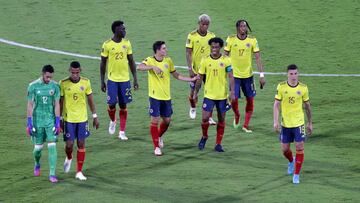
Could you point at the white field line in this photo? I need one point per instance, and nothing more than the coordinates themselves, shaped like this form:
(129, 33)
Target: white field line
(182, 67)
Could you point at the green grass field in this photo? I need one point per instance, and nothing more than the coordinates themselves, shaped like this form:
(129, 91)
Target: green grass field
(320, 36)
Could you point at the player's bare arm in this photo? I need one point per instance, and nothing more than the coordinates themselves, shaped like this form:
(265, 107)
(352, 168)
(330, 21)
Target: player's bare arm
(232, 85)
(309, 126)
(93, 111)
(198, 86)
(276, 115)
(102, 73)
(30, 108)
(144, 67)
(133, 70)
(61, 110)
(189, 61)
(178, 76)
(260, 68)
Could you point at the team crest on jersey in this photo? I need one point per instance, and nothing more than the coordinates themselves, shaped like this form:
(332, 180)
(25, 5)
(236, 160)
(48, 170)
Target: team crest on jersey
(38, 92)
(197, 41)
(166, 65)
(221, 64)
(124, 46)
(68, 89)
(82, 88)
(51, 92)
(298, 92)
(248, 45)
(285, 92)
(113, 49)
(235, 45)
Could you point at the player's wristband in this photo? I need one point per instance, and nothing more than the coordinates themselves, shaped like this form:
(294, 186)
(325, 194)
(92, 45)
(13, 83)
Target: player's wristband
(29, 120)
(94, 115)
(57, 121)
(262, 74)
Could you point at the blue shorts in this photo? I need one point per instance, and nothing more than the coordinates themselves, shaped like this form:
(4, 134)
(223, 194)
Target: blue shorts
(288, 135)
(246, 85)
(221, 105)
(118, 92)
(192, 84)
(80, 131)
(160, 108)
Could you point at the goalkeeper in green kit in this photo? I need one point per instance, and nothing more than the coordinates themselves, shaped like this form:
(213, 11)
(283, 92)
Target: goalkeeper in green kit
(43, 118)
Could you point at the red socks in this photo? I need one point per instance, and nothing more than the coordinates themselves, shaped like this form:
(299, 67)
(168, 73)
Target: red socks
(192, 102)
(205, 127)
(249, 110)
(288, 154)
(123, 116)
(163, 128)
(235, 108)
(154, 134)
(299, 160)
(80, 159)
(68, 152)
(220, 132)
(111, 113)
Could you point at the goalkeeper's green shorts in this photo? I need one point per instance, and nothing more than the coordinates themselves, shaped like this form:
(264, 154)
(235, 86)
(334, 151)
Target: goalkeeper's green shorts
(43, 134)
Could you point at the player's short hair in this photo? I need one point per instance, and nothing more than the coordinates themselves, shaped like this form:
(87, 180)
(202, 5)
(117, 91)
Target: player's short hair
(48, 68)
(204, 17)
(157, 45)
(115, 24)
(242, 20)
(292, 67)
(75, 64)
(216, 40)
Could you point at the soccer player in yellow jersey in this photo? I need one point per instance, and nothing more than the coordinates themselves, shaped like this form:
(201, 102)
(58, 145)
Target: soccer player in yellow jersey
(241, 47)
(290, 97)
(197, 47)
(217, 69)
(116, 53)
(159, 68)
(74, 92)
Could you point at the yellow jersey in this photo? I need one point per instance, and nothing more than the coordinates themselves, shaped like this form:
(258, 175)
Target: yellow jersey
(74, 97)
(216, 84)
(200, 47)
(159, 84)
(117, 63)
(241, 54)
(292, 99)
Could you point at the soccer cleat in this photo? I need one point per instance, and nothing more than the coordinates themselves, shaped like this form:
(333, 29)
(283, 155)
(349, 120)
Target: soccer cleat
(236, 126)
(157, 151)
(161, 142)
(296, 179)
(112, 127)
(202, 143)
(67, 165)
(192, 113)
(247, 130)
(53, 179)
(122, 136)
(80, 176)
(219, 148)
(37, 170)
(291, 167)
(211, 121)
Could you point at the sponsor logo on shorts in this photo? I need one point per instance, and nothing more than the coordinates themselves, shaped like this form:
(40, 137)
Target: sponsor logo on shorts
(204, 105)
(108, 98)
(151, 110)
(67, 135)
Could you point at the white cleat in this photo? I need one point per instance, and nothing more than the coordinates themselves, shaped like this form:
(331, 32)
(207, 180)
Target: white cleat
(122, 136)
(157, 151)
(161, 142)
(247, 130)
(211, 121)
(192, 113)
(112, 127)
(80, 176)
(67, 165)
(296, 179)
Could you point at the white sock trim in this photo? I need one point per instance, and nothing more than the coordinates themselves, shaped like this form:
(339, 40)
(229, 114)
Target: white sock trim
(51, 144)
(38, 147)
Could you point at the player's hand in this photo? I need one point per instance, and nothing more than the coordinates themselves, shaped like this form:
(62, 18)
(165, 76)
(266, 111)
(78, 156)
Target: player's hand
(277, 127)
(157, 70)
(103, 86)
(191, 73)
(232, 96)
(136, 85)
(262, 82)
(309, 128)
(195, 78)
(96, 123)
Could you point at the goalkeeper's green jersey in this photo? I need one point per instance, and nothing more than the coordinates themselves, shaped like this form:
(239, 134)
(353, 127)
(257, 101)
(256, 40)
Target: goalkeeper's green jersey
(44, 96)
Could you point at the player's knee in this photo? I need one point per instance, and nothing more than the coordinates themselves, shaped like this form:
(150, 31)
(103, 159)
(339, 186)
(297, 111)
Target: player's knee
(112, 106)
(122, 106)
(38, 147)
